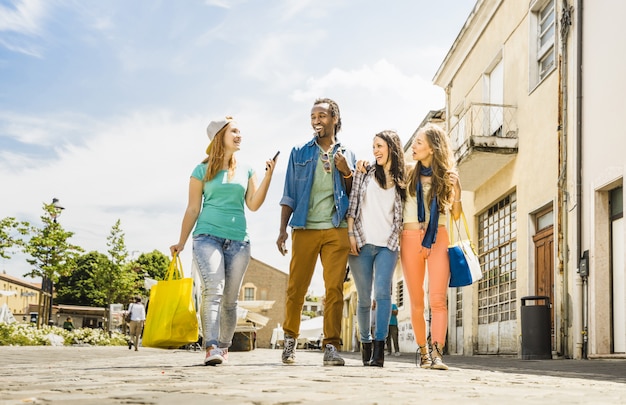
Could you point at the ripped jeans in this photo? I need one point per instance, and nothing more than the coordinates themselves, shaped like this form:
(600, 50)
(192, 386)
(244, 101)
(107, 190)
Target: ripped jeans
(221, 264)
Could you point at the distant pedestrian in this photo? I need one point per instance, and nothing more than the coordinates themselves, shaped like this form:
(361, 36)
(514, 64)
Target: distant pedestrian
(392, 336)
(68, 324)
(137, 312)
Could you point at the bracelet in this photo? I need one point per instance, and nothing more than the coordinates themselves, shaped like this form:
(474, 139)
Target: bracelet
(350, 233)
(348, 176)
(457, 201)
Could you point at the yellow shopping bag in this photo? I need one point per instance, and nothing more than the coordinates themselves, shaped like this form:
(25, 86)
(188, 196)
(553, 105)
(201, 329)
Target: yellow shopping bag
(171, 320)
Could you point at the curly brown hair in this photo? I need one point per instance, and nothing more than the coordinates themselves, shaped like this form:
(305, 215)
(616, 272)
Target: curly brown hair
(442, 164)
(396, 155)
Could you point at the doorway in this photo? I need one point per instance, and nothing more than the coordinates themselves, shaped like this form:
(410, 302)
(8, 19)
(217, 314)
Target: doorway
(544, 262)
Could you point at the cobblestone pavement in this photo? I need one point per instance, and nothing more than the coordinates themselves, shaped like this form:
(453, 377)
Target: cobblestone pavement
(116, 375)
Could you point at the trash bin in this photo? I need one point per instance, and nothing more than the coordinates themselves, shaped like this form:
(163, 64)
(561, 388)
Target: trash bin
(536, 341)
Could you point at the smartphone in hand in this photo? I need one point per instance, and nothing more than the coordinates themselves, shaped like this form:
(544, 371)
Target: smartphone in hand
(274, 158)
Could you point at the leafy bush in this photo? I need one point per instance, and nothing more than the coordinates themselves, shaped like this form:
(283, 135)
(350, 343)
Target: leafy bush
(20, 334)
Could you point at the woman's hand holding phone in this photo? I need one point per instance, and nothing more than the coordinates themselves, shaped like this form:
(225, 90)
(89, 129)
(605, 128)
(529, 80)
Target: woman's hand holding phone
(267, 166)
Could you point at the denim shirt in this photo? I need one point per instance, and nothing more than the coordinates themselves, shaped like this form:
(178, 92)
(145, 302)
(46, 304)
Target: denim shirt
(299, 180)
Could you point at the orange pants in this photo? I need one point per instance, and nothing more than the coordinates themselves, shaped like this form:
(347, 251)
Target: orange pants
(414, 258)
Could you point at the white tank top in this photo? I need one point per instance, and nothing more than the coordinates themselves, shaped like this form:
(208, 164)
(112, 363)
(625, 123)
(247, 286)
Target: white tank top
(377, 213)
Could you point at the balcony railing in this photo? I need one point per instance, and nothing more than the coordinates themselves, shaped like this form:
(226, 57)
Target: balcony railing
(483, 120)
(484, 140)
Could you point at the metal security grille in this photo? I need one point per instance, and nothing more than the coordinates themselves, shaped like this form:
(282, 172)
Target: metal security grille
(497, 251)
(459, 307)
(400, 293)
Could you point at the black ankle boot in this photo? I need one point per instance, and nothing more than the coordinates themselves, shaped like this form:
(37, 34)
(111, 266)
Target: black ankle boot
(366, 353)
(378, 357)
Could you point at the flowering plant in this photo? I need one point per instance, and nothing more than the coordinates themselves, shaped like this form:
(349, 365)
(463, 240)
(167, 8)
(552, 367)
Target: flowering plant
(21, 334)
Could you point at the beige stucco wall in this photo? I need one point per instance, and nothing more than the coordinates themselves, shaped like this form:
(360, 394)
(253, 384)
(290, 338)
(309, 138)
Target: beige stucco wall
(500, 30)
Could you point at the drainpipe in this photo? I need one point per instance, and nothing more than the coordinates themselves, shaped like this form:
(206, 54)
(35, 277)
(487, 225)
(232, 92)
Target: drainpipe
(562, 182)
(579, 166)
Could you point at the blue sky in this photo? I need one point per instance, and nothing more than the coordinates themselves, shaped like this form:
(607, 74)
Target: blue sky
(104, 104)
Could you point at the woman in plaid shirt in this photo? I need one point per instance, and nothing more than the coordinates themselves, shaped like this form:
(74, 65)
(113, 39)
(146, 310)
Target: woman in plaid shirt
(374, 225)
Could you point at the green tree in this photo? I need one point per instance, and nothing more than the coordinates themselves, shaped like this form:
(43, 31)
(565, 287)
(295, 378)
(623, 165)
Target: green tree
(116, 244)
(153, 265)
(79, 288)
(51, 255)
(116, 284)
(10, 231)
(118, 281)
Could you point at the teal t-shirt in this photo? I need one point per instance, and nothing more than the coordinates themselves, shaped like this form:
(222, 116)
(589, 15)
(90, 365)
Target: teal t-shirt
(223, 202)
(394, 319)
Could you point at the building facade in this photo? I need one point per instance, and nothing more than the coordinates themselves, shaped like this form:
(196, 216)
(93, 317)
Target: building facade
(19, 295)
(501, 81)
(542, 173)
(263, 292)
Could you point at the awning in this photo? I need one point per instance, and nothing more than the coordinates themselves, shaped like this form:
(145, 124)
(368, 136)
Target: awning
(257, 305)
(250, 320)
(257, 318)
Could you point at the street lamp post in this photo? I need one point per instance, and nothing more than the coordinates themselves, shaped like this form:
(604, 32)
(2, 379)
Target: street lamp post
(47, 285)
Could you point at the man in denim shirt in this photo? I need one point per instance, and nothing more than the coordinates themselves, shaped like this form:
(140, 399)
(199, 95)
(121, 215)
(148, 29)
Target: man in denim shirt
(316, 199)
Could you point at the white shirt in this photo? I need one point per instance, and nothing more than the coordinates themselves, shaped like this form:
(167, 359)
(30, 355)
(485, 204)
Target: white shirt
(137, 311)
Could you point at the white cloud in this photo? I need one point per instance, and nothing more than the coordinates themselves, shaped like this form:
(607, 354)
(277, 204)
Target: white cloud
(395, 101)
(18, 24)
(226, 4)
(117, 132)
(24, 18)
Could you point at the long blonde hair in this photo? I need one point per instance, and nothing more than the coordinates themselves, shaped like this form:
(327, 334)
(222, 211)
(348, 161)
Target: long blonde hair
(215, 159)
(442, 164)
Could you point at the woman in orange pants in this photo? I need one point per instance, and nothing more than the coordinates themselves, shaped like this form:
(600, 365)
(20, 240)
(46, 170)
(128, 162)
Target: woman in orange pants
(433, 191)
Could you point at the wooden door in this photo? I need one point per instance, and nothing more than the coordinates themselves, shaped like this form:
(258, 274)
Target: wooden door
(544, 270)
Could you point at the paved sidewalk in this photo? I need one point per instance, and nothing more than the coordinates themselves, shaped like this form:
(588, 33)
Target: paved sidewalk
(115, 375)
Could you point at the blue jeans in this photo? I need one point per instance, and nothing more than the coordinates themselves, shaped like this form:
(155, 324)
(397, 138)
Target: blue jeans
(373, 266)
(222, 264)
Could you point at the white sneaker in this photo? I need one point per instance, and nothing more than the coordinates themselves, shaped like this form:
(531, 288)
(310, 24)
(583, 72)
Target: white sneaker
(289, 350)
(215, 356)
(331, 356)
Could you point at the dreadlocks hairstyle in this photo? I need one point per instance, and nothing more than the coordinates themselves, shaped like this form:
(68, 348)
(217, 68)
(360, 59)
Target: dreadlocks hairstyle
(442, 163)
(396, 170)
(215, 159)
(334, 111)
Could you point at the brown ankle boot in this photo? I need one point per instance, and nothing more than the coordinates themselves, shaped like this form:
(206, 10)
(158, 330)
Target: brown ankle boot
(437, 356)
(425, 360)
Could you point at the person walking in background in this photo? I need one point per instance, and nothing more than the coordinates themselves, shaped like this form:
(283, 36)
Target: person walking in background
(434, 190)
(218, 189)
(374, 226)
(392, 336)
(68, 324)
(137, 312)
(314, 204)
(372, 326)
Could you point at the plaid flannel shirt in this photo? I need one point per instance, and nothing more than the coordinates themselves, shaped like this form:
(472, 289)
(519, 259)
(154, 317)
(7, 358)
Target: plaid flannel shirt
(359, 186)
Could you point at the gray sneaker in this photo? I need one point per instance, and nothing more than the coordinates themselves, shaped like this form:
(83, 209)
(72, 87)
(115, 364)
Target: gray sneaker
(289, 351)
(331, 357)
